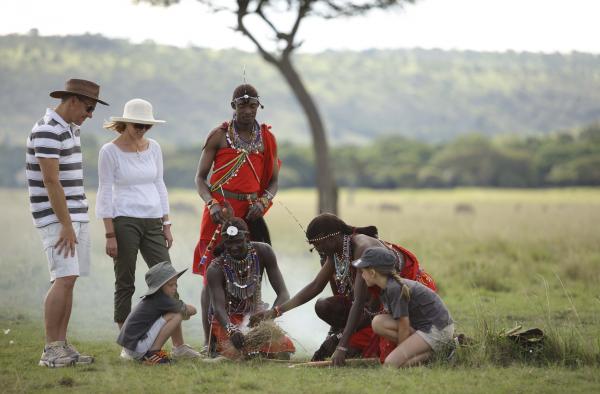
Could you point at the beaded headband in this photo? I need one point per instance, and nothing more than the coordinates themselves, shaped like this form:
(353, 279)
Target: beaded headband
(317, 239)
(247, 99)
(231, 231)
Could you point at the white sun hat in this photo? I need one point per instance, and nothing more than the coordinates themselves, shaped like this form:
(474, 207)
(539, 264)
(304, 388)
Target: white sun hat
(137, 111)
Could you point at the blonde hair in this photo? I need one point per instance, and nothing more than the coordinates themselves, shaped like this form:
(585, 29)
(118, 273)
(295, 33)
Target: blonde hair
(118, 126)
(392, 273)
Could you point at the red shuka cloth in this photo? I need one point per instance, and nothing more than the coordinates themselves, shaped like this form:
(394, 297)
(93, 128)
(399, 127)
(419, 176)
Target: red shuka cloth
(244, 182)
(284, 344)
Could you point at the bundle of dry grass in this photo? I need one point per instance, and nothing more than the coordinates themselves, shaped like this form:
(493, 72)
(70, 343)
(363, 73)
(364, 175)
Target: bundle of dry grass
(266, 332)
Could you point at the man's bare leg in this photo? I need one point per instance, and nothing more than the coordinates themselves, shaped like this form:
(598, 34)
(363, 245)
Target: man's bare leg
(204, 304)
(57, 308)
(68, 309)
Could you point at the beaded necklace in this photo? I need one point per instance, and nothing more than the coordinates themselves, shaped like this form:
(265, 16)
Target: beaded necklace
(343, 277)
(242, 281)
(254, 145)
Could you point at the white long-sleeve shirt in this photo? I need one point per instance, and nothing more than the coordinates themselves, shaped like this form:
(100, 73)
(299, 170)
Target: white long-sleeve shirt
(131, 183)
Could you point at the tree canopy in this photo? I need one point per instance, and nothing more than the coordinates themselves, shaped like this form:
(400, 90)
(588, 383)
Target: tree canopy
(429, 95)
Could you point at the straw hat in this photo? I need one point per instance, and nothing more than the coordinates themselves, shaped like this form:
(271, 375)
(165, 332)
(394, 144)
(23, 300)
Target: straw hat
(80, 87)
(137, 111)
(160, 274)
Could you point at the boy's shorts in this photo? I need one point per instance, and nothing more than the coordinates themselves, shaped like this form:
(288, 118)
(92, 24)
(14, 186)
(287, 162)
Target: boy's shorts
(438, 339)
(60, 266)
(145, 344)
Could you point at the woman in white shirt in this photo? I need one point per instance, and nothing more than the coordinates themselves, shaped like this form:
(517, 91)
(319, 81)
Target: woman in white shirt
(132, 200)
(134, 205)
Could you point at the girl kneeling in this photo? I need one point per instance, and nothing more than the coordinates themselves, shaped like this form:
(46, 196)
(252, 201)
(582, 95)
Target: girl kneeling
(417, 319)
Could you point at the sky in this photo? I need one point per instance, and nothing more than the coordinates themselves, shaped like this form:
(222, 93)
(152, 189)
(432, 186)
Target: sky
(483, 25)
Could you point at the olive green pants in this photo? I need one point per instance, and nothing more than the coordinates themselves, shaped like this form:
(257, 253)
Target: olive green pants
(133, 234)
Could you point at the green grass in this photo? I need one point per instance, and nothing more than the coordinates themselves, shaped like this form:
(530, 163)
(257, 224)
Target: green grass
(529, 257)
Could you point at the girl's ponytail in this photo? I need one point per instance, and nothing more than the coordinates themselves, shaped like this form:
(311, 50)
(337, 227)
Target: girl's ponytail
(405, 293)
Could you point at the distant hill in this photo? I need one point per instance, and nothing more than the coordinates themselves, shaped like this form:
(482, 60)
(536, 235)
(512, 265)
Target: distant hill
(431, 95)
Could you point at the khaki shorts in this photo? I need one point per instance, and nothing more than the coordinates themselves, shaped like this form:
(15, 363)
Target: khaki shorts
(60, 266)
(438, 339)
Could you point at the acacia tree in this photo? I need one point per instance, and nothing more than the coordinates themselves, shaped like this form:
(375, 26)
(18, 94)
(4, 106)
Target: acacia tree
(281, 58)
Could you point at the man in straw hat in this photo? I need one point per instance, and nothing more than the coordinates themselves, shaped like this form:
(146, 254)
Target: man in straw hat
(234, 286)
(156, 318)
(59, 208)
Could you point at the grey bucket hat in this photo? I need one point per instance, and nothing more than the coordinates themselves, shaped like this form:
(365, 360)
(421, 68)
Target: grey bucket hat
(160, 274)
(376, 257)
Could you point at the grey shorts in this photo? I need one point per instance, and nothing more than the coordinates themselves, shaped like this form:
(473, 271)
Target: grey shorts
(438, 339)
(145, 344)
(60, 266)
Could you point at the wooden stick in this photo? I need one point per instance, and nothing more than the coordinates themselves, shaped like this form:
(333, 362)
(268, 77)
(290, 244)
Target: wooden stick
(276, 361)
(353, 362)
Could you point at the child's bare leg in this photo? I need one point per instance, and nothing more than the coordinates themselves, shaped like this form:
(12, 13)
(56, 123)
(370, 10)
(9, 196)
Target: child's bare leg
(410, 352)
(418, 359)
(177, 337)
(173, 321)
(387, 327)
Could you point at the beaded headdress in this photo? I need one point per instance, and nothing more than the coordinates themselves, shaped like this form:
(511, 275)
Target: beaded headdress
(317, 239)
(232, 231)
(247, 99)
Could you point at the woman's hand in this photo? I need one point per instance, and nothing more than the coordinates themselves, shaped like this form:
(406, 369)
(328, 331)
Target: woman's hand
(168, 235)
(111, 247)
(339, 358)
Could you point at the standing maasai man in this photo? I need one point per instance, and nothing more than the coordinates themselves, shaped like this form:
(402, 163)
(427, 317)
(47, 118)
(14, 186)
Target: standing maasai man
(234, 282)
(243, 157)
(350, 310)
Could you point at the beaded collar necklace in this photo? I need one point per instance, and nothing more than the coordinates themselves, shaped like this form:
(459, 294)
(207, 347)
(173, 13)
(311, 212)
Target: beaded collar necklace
(242, 277)
(343, 277)
(254, 145)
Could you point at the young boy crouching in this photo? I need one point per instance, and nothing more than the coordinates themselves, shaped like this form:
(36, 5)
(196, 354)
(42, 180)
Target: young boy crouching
(157, 318)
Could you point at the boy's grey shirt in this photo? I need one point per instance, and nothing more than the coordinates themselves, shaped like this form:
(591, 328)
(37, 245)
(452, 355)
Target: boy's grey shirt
(424, 308)
(144, 314)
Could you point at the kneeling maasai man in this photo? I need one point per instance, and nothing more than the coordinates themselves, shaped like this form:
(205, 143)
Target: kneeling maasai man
(353, 305)
(234, 280)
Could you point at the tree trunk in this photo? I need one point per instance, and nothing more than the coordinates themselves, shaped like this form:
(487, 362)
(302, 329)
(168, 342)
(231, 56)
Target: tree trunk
(326, 185)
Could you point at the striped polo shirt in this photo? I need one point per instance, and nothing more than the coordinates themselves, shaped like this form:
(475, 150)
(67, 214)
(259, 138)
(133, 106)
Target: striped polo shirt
(51, 137)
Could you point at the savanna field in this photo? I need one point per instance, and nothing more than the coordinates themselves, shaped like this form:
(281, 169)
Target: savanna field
(501, 258)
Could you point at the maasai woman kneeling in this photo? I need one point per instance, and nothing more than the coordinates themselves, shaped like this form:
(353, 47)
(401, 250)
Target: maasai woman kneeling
(350, 311)
(416, 320)
(234, 281)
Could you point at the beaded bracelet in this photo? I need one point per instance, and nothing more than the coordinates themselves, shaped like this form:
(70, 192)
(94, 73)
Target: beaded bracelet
(212, 202)
(231, 328)
(264, 201)
(277, 310)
